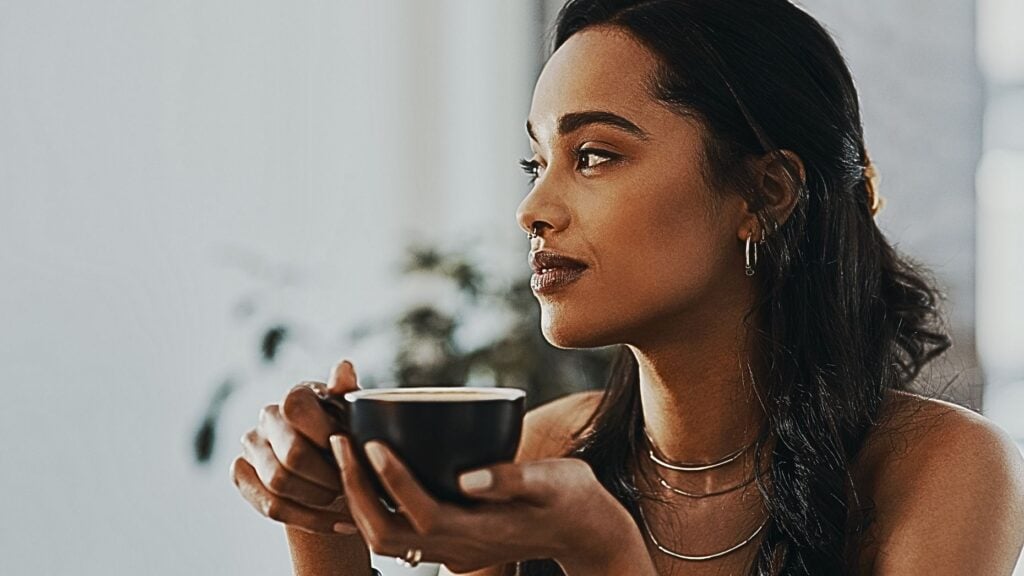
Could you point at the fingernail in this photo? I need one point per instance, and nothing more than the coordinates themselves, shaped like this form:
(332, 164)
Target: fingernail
(338, 447)
(375, 452)
(476, 481)
(343, 528)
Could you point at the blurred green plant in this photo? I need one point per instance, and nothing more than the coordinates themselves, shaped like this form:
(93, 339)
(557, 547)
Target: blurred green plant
(430, 353)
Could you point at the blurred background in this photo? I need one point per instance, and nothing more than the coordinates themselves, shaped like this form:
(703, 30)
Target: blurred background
(206, 202)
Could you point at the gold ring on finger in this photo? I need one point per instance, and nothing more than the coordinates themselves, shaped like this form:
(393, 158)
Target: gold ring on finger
(412, 558)
(318, 388)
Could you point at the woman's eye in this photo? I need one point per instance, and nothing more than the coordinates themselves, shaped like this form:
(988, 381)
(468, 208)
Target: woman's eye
(531, 167)
(585, 160)
(592, 158)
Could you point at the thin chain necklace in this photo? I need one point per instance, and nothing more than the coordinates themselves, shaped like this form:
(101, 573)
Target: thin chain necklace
(681, 492)
(689, 557)
(690, 466)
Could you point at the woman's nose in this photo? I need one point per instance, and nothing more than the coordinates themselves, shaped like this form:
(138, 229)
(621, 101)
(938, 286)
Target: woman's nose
(542, 208)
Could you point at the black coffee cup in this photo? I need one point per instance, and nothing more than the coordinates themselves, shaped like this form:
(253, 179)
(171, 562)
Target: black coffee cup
(438, 432)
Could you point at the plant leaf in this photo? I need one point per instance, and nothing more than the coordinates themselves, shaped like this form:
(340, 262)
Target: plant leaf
(205, 437)
(271, 342)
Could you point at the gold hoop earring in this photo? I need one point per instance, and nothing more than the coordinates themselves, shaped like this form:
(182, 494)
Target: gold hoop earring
(751, 249)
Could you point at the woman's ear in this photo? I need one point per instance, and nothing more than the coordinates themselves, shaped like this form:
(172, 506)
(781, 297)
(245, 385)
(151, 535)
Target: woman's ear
(778, 177)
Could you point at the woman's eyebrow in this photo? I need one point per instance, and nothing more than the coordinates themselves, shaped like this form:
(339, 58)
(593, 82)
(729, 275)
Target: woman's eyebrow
(573, 121)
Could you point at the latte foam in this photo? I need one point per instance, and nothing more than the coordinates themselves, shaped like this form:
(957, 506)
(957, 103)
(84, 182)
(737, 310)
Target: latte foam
(436, 394)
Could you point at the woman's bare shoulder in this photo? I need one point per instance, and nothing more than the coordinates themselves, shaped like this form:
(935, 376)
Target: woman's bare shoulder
(917, 430)
(916, 436)
(549, 429)
(947, 485)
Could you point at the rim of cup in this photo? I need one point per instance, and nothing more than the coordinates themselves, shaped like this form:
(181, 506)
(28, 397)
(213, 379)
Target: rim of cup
(382, 393)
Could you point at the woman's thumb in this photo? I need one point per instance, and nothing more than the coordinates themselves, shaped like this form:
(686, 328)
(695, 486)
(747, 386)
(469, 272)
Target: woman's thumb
(342, 379)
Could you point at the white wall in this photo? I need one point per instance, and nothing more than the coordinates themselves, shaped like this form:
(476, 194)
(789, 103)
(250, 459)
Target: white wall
(150, 152)
(1000, 209)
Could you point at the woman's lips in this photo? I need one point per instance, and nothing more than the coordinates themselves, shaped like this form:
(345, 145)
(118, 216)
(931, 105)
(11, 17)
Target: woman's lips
(552, 279)
(553, 271)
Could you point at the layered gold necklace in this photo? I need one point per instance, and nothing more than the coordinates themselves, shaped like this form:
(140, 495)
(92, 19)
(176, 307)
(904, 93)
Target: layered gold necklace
(662, 462)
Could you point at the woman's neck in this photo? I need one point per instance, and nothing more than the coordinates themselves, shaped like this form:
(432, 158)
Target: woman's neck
(698, 398)
(696, 411)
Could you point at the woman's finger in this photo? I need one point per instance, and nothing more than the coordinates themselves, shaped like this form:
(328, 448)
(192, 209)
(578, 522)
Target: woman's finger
(534, 481)
(278, 479)
(387, 534)
(301, 410)
(283, 510)
(297, 454)
(419, 507)
(301, 407)
(343, 378)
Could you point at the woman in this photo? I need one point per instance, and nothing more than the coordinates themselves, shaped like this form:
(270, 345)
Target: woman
(702, 197)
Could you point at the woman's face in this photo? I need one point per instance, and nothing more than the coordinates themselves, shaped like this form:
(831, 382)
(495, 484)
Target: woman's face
(619, 186)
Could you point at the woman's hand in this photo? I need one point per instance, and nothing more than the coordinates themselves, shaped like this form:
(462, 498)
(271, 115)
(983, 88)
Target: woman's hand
(553, 508)
(284, 471)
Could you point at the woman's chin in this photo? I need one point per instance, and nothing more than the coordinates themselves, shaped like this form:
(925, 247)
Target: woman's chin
(561, 332)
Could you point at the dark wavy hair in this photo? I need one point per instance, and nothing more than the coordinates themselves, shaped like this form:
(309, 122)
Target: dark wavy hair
(840, 317)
